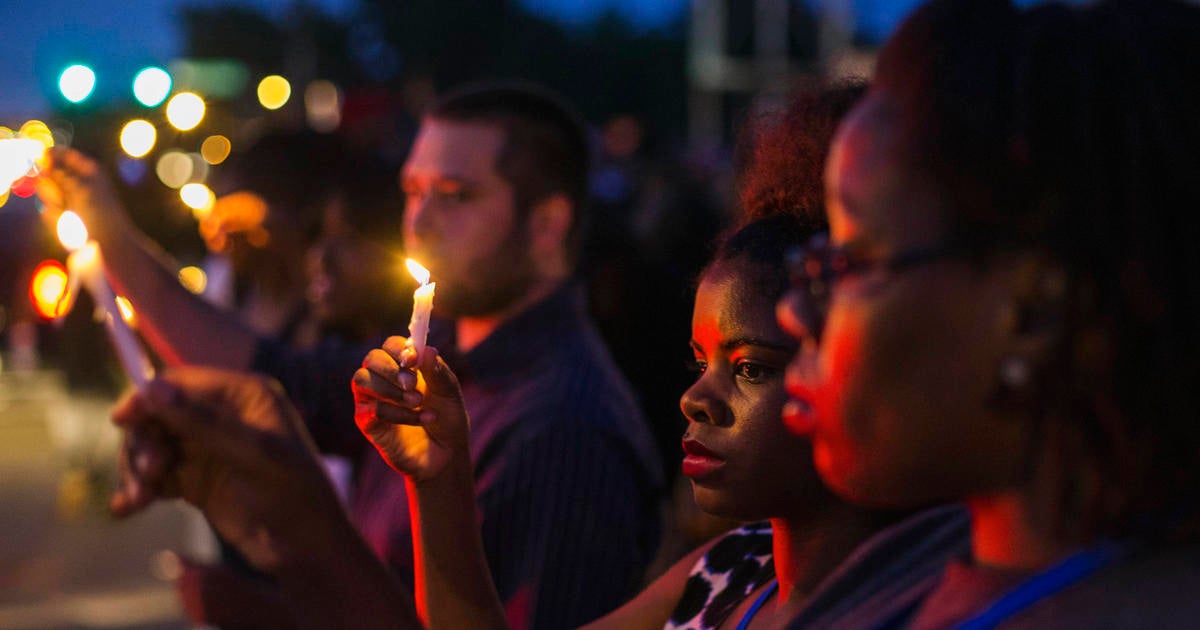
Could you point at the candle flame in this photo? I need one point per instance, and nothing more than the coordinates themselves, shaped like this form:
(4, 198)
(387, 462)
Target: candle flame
(420, 273)
(72, 233)
(126, 308)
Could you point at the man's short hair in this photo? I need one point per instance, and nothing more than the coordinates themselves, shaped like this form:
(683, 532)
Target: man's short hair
(545, 149)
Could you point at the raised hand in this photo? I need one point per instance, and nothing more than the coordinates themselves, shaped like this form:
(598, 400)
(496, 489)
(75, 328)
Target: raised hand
(232, 445)
(74, 181)
(417, 427)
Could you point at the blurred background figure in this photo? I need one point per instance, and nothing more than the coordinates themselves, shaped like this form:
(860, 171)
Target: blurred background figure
(267, 214)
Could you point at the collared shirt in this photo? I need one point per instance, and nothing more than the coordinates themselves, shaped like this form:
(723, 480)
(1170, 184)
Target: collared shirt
(567, 478)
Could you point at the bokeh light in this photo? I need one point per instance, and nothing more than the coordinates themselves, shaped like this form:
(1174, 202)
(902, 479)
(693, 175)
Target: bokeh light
(47, 287)
(37, 130)
(323, 106)
(215, 149)
(198, 197)
(193, 279)
(174, 169)
(274, 91)
(77, 82)
(18, 159)
(200, 168)
(72, 233)
(151, 86)
(185, 110)
(138, 137)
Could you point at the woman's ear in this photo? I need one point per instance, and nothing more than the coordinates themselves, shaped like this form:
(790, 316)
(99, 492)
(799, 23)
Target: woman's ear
(1032, 323)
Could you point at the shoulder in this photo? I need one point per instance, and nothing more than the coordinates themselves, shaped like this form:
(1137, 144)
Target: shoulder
(1148, 588)
(732, 567)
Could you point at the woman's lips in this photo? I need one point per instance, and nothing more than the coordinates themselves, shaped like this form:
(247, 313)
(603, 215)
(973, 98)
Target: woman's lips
(698, 460)
(798, 412)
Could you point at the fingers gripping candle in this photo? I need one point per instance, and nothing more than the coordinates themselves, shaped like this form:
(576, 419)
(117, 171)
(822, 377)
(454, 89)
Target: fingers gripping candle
(418, 326)
(85, 266)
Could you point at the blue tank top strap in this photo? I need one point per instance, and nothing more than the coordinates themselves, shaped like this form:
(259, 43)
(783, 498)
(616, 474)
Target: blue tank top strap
(758, 603)
(1073, 569)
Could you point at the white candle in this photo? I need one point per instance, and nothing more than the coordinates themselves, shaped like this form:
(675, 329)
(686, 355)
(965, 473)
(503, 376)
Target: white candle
(85, 266)
(418, 326)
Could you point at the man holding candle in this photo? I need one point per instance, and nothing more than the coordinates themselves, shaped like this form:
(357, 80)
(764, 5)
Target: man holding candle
(566, 470)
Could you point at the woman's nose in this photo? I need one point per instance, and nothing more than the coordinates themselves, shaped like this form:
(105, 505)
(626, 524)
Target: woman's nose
(700, 404)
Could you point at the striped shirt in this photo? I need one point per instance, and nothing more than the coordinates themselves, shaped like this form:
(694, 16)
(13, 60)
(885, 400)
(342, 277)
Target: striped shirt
(567, 478)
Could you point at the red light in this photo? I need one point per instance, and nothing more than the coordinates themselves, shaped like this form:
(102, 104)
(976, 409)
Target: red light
(47, 288)
(24, 187)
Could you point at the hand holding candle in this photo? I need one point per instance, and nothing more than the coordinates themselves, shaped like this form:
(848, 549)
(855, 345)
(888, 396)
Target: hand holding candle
(85, 266)
(418, 326)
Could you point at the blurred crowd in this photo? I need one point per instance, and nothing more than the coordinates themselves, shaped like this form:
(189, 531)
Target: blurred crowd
(927, 342)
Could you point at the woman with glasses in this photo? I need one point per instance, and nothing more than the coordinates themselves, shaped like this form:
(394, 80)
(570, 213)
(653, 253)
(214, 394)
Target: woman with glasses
(1004, 310)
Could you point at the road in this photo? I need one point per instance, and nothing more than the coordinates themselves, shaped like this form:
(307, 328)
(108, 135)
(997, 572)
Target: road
(64, 563)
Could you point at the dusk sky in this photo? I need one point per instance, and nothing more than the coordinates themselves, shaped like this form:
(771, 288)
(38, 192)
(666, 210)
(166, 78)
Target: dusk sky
(119, 37)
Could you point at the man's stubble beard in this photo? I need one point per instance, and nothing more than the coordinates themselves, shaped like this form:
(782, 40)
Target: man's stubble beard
(493, 283)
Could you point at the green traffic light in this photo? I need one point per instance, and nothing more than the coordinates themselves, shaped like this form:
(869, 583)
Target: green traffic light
(151, 86)
(77, 82)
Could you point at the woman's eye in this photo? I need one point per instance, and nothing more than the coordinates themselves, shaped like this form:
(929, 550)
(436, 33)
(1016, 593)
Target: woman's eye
(697, 366)
(453, 195)
(754, 372)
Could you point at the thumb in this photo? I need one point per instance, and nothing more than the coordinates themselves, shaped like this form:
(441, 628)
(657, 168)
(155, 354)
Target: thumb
(440, 380)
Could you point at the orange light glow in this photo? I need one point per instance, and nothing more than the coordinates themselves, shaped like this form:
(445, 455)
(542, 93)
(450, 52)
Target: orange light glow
(47, 288)
(215, 149)
(193, 279)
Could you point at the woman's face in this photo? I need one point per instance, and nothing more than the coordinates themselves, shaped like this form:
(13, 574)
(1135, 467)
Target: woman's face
(897, 393)
(742, 461)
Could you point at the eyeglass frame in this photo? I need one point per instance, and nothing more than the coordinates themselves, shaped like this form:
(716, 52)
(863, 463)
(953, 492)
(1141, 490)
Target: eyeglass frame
(836, 263)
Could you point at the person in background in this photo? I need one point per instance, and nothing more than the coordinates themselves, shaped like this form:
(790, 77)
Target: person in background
(358, 293)
(1004, 311)
(270, 197)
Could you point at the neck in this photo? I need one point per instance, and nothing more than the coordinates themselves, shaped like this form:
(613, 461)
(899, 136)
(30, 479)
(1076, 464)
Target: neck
(808, 550)
(1009, 531)
(473, 330)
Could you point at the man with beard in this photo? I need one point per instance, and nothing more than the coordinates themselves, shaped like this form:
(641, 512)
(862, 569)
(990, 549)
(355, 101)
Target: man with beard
(566, 473)
(567, 476)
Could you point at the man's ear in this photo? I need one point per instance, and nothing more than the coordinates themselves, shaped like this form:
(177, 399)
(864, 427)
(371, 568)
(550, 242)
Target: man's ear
(550, 223)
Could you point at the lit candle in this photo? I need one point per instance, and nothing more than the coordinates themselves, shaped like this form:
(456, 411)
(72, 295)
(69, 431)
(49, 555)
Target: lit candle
(85, 266)
(418, 326)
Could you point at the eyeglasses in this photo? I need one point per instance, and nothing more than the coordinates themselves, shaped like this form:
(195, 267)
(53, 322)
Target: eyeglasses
(814, 269)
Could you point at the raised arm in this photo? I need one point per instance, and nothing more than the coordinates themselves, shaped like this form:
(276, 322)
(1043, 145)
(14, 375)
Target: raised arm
(180, 326)
(233, 446)
(425, 437)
